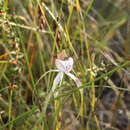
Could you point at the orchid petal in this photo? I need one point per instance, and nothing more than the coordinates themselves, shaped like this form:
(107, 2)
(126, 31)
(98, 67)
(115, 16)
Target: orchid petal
(69, 64)
(77, 81)
(55, 70)
(57, 80)
(60, 64)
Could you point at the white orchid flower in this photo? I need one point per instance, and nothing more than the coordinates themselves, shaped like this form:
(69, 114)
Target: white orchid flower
(64, 67)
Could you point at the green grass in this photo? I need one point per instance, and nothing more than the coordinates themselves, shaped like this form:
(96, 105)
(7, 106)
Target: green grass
(33, 33)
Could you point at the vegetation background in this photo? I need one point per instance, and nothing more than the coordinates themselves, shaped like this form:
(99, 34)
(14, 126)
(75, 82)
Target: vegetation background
(96, 33)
